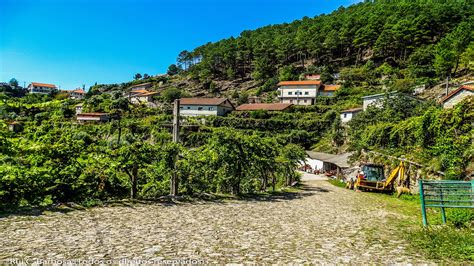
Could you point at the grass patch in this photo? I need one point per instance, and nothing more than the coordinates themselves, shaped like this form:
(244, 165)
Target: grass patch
(337, 183)
(444, 242)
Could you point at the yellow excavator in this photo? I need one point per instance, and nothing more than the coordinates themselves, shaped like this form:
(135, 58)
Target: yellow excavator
(371, 178)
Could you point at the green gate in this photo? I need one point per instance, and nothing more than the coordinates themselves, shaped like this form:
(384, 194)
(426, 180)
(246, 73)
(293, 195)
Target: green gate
(445, 194)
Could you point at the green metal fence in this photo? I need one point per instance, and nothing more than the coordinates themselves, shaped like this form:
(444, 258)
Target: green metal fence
(445, 194)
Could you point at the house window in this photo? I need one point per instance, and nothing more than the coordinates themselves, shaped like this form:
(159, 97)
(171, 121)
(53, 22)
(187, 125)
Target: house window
(290, 93)
(211, 108)
(306, 93)
(304, 101)
(291, 101)
(200, 108)
(345, 115)
(189, 107)
(181, 108)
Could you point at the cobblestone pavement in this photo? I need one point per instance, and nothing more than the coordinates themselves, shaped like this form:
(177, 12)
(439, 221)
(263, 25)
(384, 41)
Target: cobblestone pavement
(321, 224)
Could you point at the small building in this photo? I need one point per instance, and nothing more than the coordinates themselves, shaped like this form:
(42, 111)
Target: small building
(146, 97)
(254, 99)
(298, 92)
(41, 88)
(456, 96)
(92, 117)
(265, 107)
(205, 106)
(142, 86)
(15, 127)
(328, 90)
(327, 163)
(312, 77)
(77, 94)
(78, 108)
(347, 115)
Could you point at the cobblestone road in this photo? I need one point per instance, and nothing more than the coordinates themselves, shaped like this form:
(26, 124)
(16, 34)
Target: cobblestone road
(321, 224)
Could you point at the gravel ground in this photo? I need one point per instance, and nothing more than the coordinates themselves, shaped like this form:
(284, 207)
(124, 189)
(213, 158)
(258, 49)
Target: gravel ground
(320, 224)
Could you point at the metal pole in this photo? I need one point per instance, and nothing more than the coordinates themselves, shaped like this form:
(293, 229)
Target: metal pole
(422, 201)
(174, 177)
(443, 212)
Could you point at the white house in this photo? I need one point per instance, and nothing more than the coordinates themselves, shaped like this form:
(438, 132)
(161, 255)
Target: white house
(299, 92)
(347, 115)
(205, 106)
(142, 86)
(77, 94)
(145, 97)
(41, 88)
(456, 96)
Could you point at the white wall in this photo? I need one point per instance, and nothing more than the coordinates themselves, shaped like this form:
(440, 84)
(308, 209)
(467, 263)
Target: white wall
(346, 117)
(193, 110)
(377, 102)
(451, 102)
(315, 164)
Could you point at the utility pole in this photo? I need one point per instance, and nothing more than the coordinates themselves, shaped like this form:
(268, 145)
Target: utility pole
(174, 177)
(447, 85)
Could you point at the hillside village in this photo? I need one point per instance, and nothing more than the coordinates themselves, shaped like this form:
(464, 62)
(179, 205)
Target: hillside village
(291, 143)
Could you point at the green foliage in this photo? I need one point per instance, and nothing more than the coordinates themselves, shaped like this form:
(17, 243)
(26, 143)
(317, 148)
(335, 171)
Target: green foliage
(438, 138)
(171, 94)
(444, 243)
(460, 218)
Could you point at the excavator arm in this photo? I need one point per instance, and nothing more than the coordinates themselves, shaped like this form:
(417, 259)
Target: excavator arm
(399, 172)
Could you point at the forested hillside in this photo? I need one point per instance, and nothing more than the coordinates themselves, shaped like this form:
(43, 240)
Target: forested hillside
(406, 42)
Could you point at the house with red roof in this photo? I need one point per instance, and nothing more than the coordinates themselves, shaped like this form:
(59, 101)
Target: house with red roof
(304, 92)
(205, 106)
(456, 96)
(77, 94)
(41, 88)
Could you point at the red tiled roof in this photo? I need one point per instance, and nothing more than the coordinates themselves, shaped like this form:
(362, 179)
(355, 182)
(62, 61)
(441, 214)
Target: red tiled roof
(301, 82)
(37, 84)
(147, 93)
(81, 91)
(451, 94)
(331, 87)
(202, 101)
(264, 106)
(139, 91)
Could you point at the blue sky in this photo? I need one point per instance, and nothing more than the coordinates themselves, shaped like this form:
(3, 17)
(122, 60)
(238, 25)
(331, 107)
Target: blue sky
(75, 42)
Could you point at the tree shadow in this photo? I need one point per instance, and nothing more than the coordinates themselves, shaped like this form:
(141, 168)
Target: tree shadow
(297, 192)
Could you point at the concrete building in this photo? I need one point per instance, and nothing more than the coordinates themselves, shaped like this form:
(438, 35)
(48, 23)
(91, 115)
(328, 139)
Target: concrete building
(265, 107)
(298, 92)
(456, 96)
(41, 88)
(205, 106)
(347, 115)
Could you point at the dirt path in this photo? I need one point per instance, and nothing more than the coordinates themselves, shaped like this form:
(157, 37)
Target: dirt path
(323, 223)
